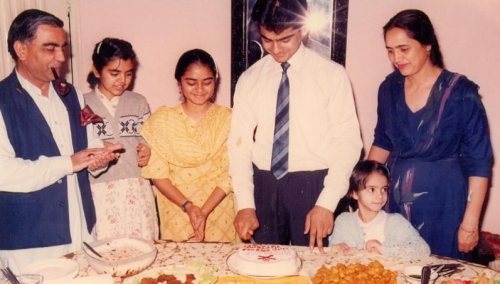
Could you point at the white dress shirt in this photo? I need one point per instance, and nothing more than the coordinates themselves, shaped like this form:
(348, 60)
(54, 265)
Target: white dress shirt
(324, 130)
(19, 175)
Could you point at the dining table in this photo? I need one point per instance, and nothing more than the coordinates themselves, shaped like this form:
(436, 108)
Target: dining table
(215, 255)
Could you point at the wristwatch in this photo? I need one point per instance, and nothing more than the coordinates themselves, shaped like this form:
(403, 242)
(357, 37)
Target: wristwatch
(185, 204)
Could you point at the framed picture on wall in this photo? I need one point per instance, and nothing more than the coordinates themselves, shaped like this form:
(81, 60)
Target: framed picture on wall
(326, 25)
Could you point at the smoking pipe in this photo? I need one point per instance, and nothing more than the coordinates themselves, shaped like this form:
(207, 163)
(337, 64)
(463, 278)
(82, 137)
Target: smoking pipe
(62, 87)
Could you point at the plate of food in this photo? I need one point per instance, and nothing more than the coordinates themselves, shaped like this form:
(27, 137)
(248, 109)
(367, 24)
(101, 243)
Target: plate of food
(486, 277)
(265, 261)
(373, 272)
(195, 272)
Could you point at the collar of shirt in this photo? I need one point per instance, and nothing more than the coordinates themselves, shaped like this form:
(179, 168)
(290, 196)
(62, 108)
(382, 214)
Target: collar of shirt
(295, 61)
(111, 105)
(31, 89)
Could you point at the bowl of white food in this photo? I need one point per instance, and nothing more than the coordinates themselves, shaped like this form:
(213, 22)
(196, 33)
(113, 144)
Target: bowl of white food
(121, 256)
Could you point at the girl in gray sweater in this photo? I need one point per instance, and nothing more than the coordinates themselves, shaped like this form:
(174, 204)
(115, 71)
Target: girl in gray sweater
(124, 201)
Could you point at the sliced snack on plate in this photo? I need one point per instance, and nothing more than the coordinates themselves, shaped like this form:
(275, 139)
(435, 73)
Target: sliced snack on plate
(195, 272)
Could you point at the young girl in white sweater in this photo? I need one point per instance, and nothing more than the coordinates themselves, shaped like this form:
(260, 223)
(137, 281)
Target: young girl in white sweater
(369, 227)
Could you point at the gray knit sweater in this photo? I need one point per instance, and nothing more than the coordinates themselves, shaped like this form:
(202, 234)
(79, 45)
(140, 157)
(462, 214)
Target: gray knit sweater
(401, 239)
(124, 128)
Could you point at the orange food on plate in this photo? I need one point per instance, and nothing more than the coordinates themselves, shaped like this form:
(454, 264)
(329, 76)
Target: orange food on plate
(168, 279)
(373, 273)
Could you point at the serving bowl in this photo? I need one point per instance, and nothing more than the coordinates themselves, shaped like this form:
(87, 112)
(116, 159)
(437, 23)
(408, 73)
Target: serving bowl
(121, 256)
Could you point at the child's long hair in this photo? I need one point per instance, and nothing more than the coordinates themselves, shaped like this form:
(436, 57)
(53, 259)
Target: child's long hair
(360, 173)
(107, 50)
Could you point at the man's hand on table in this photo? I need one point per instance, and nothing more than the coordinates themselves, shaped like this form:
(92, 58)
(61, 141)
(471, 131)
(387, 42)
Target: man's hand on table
(245, 223)
(319, 224)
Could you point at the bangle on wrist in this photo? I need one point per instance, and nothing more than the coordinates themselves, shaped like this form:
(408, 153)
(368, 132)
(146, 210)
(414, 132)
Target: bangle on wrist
(467, 231)
(185, 204)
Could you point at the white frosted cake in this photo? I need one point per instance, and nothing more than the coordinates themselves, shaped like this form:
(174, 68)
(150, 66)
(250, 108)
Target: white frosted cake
(266, 260)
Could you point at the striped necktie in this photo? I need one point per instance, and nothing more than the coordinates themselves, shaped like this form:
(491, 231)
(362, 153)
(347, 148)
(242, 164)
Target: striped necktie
(279, 162)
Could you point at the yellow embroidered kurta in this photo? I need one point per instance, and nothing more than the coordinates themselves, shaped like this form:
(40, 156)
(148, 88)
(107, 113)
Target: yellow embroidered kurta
(194, 158)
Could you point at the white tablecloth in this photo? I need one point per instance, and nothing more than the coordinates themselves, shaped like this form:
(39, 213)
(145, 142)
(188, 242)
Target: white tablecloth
(215, 254)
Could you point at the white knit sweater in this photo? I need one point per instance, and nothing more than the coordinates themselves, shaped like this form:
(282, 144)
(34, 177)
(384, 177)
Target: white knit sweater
(401, 239)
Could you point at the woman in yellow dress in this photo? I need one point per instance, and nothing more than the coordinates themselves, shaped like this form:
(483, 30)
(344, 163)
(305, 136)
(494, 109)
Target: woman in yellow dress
(189, 161)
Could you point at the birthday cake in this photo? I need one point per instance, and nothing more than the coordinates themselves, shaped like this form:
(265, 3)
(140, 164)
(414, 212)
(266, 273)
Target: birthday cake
(267, 260)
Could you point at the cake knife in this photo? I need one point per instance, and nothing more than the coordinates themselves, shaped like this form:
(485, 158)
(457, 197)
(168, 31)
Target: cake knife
(252, 241)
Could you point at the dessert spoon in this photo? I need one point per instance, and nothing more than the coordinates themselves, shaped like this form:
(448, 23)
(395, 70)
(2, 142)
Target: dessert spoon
(92, 249)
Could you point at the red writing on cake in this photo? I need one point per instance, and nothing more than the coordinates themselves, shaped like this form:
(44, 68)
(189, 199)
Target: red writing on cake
(266, 248)
(266, 257)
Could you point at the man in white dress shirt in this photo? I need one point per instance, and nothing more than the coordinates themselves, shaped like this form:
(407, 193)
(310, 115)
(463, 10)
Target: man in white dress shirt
(324, 137)
(46, 207)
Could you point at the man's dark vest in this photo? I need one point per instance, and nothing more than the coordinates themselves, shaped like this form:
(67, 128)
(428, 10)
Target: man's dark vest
(39, 218)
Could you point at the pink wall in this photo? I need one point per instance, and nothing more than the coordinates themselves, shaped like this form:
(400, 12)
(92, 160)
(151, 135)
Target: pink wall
(468, 33)
(161, 30)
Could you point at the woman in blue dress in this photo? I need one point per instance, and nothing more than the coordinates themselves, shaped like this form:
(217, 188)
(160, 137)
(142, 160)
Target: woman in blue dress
(432, 131)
